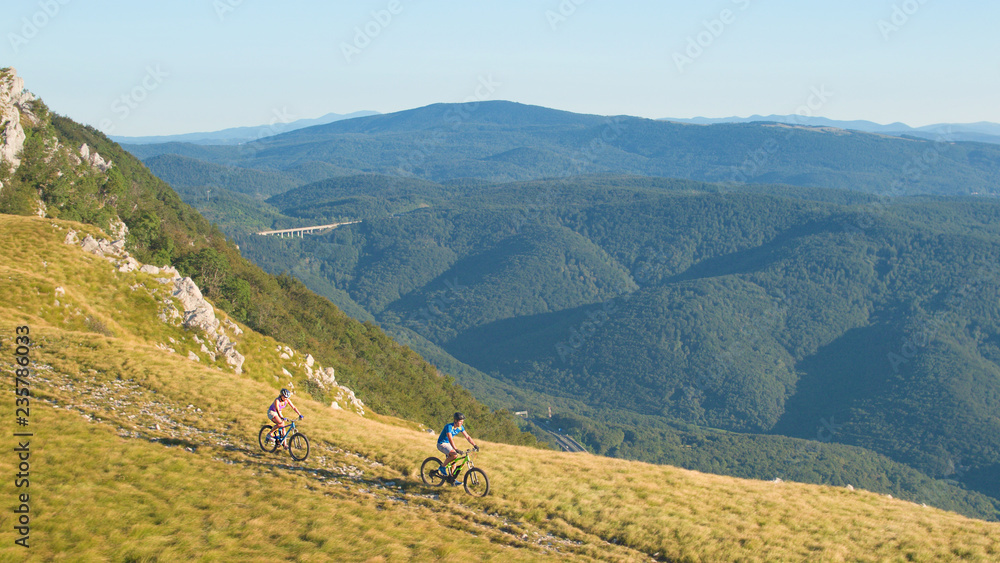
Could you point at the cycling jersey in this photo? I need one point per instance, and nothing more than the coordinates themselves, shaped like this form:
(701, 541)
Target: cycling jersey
(277, 406)
(450, 429)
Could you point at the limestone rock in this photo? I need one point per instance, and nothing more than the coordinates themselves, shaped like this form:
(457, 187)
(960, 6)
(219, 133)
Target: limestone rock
(13, 100)
(118, 229)
(90, 245)
(234, 327)
(94, 159)
(129, 265)
(346, 396)
(147, 269)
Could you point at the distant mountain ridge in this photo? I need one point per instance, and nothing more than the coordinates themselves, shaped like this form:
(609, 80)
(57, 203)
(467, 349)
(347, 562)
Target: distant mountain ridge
(237, 135)
(982, 131)
(502, 141)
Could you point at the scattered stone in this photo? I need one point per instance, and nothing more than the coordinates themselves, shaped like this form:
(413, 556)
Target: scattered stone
(234, 327)
(129, 265)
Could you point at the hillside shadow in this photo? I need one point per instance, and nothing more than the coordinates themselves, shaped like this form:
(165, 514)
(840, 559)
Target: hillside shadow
(752, 259)
(838, 378)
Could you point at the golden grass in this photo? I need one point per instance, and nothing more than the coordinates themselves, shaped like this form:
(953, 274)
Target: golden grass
(108, 485)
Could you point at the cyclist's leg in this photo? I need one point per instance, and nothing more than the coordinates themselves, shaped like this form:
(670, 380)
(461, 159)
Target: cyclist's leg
(279, 423)
(450, 452)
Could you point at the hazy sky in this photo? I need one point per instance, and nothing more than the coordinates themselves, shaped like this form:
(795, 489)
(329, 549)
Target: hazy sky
(146, 68)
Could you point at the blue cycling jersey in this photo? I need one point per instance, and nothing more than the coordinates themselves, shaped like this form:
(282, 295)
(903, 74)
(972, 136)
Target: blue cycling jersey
(450, 428)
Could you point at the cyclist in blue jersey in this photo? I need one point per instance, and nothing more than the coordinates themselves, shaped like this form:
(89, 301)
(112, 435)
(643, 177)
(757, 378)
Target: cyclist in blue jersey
(446, 442)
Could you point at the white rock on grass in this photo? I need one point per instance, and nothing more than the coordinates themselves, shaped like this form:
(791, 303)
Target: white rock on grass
(129, 265)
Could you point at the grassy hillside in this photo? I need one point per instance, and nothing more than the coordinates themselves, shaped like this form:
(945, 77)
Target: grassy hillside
(140, 455)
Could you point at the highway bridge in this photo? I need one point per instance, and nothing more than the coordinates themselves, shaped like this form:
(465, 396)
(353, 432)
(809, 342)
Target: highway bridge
(302, 231)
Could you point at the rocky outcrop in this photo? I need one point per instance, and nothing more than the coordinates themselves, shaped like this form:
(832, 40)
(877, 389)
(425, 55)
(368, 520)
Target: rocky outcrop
(214, 336)
(117, 228)
(325, 378)
(198, 313)
(94, 159)
(13, 98)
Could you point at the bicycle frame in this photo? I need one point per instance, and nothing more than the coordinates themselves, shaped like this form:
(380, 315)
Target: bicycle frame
(285, 431)
(459, 462)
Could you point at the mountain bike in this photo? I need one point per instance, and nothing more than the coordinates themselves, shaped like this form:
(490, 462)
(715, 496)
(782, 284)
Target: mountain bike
(475, 480)
(289, 437)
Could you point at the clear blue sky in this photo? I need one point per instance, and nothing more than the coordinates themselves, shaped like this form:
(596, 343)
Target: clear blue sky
(225, 63)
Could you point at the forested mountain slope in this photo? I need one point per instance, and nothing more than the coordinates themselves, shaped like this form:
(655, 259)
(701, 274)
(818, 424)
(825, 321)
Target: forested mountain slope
(505, 141)
(779, 311)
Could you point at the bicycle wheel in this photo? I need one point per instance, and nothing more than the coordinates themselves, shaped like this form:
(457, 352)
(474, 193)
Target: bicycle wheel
(429, 472)
(298, 446)
(262, 436)
(477, 483)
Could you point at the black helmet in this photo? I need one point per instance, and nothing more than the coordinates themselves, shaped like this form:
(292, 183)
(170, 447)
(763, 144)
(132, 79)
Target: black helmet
(459, 416)
(285, 393)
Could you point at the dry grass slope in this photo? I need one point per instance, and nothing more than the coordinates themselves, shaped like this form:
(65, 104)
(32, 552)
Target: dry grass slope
(142, 455)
